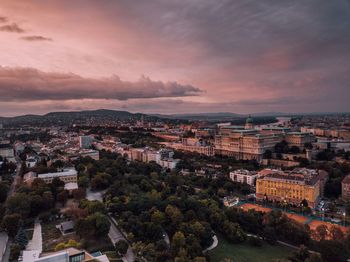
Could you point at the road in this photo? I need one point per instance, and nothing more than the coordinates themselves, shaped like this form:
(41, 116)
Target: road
(115, 235)
(4, 243)
(16, 180)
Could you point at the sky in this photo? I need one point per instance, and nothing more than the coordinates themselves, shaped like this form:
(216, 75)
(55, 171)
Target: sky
(166, 56)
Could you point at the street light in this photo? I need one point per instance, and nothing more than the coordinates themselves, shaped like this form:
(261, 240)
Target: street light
(322, 214)
(344, 215)
(302, 208)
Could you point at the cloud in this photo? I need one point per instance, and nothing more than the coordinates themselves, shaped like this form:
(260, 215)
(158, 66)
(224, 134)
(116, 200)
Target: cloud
(33, 38)
(12, 28)
(3, 19)
(28, 84)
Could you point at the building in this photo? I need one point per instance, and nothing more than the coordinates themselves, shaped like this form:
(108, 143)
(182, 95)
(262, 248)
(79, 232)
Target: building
(247, 143)
(290, 186)
(31, 161)
(163, 157)
(94, 154)
(249, 124)
(168, 163)
(67, 176)
(193, 145)
(244, 144)
(66, 227)
(6, 151)
(345, 188)
(299, 139)
(66, 255)
(244, 176)
(85, 142)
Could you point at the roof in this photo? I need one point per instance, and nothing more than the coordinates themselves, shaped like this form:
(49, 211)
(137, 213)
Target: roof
(71, 186)
(68, 225)
(346, 180)
(249, 120)
(68, 172)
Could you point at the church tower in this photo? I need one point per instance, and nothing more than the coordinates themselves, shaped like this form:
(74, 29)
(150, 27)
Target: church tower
(249, 123)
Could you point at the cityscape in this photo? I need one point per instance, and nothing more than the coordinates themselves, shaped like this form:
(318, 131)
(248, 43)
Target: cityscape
(185, 131)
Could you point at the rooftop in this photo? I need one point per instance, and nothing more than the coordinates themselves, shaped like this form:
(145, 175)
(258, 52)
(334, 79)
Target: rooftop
(67, 172)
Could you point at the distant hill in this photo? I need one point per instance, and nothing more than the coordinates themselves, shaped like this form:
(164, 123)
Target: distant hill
(64, 118)
(220, 116)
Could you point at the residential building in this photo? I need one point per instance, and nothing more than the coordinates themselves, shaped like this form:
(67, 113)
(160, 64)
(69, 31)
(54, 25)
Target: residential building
(168, 163)
(85, 142)
(345, 188)
(6, 151)
(67, 176)
(244, 176)
(290, 186)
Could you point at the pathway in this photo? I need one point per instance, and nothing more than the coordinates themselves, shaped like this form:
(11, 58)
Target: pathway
(37, 241)
(115, 235)
(214, 245)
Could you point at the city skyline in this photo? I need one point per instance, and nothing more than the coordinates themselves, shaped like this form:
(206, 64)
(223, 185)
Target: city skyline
(166, 57)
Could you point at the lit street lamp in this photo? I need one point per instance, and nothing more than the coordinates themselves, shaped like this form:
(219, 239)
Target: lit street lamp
(322, 214)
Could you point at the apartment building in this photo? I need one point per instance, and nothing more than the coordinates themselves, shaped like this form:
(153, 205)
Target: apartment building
(244, 176)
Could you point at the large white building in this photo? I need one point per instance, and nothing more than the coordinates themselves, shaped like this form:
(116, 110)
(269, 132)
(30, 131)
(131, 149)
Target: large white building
(247, 143)
(244, 176)
(67, 176)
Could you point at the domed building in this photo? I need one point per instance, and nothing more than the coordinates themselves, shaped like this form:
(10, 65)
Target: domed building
(249, 123)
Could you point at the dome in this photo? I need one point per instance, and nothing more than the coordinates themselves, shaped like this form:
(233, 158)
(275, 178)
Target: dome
(249, 120)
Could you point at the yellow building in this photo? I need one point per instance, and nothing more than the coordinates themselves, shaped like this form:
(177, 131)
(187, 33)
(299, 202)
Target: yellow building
(292, 186)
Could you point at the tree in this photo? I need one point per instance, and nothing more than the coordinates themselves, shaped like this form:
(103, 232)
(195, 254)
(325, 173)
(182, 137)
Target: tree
(336, 233)
(15, 251)
(21, 238)
(267, 154)
(174, 214)
(4, 188)
(62, 197)
(158, 217)
(333, 250)
(19, 203)
(11, 224)
(321, 232)
(178, 241)
(102, 224)
(121, 247)
(233, 232)
(79, 193)
(96, 225)
(83, 181)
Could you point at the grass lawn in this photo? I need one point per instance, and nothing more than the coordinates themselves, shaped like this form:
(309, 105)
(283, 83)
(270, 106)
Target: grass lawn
(112, 256)
(246, 253)
(52, 236)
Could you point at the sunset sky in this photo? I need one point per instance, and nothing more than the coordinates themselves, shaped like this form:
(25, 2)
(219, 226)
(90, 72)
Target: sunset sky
(169, 56)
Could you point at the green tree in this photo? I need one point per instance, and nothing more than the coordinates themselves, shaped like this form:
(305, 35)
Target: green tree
(19, 203)
(121, 247)
(11, 224)
(178, 241)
